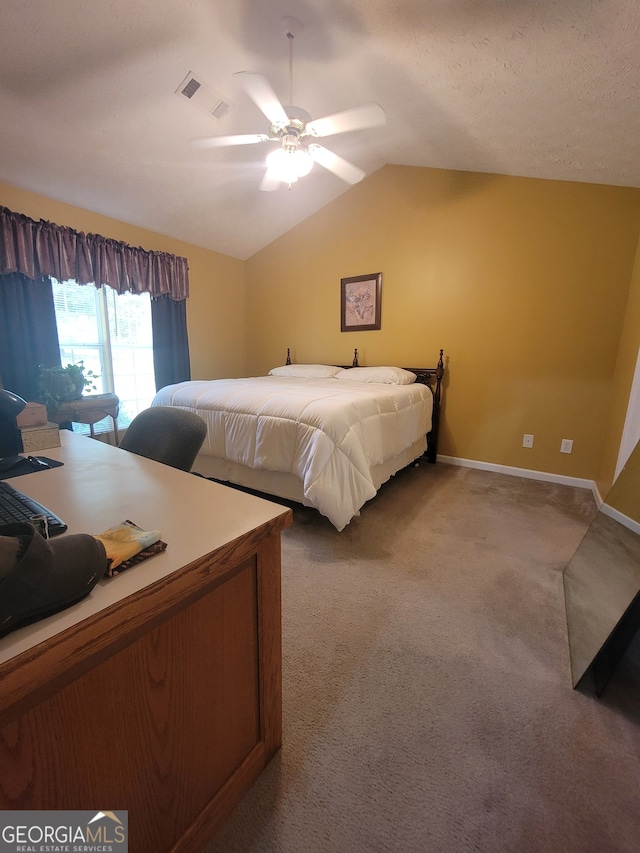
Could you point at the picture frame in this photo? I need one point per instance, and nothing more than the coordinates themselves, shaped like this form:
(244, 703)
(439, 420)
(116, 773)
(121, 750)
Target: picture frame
(360, 302)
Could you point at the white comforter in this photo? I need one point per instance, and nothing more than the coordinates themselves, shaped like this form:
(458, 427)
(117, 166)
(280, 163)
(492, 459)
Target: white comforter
(327, 432)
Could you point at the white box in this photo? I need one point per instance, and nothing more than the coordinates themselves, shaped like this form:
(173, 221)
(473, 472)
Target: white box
(40, 437)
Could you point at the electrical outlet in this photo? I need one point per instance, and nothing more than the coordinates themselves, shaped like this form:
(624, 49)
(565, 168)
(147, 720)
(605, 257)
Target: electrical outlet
(527, 440)
(566, 446)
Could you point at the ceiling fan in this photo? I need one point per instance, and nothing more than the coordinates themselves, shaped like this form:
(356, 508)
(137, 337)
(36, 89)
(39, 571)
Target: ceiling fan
(294, 130)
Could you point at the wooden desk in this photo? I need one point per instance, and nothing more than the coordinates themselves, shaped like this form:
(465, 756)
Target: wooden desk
(160, 693)
(89, 410)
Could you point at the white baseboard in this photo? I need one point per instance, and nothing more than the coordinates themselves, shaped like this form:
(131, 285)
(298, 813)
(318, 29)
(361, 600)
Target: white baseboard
(616, 515)
(561, 479)
(597, 496)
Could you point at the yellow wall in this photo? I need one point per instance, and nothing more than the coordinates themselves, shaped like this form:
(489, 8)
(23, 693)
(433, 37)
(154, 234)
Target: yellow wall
(529, 286)
(523, 282)
(625, 494)
(623, 379)
(216, 308)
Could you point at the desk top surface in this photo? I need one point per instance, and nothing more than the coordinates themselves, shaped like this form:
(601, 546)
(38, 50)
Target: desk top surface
(100, 485)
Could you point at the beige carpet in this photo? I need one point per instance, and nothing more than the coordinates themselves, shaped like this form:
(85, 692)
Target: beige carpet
(427, 692)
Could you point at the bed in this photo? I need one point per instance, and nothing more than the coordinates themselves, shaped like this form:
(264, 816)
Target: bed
(327, 436)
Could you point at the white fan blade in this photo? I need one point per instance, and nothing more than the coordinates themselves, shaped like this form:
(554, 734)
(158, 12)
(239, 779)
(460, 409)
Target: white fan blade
(263, 96)
(269, 182)
(336, 164)
(358, 118)
(222, 141)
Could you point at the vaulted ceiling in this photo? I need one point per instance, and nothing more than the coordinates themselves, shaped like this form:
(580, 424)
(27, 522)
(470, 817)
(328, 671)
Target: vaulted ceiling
(89, 113)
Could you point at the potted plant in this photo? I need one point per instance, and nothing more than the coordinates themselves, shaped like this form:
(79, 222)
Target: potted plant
(59, 385)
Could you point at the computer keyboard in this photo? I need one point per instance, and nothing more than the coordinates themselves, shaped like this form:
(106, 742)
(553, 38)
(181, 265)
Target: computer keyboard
(16, 507)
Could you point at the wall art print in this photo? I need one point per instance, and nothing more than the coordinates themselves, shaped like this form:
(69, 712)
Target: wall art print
(360, 302)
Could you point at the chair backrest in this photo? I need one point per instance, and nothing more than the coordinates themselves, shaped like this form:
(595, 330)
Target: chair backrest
(166, 434)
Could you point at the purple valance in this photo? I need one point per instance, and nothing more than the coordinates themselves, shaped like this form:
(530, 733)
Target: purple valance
(38, 249)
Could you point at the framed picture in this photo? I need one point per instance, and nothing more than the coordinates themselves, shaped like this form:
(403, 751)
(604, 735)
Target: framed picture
(360, 298)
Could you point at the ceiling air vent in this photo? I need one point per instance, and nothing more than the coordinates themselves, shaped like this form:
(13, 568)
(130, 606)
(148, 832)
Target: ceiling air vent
(194, 89)
(220, 110)
(191, 88)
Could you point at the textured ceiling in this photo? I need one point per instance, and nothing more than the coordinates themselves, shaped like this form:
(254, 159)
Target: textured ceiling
(89, 113)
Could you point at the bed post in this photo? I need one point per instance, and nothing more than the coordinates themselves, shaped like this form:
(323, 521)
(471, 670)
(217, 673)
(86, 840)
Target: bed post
(288, 361)
(432, 436)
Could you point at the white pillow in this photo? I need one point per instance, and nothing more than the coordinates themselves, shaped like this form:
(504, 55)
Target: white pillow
(305, 371)
(387, 375)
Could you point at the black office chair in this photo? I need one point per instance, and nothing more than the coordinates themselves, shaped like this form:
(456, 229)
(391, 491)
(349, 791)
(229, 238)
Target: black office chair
(168, 435)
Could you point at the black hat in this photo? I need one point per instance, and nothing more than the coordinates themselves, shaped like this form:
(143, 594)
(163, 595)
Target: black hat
(38, 577)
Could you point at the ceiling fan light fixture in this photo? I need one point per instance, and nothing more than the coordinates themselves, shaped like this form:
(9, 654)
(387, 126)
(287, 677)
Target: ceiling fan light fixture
(295, 130)
(289, 164)
(303, 163)
(280, 165)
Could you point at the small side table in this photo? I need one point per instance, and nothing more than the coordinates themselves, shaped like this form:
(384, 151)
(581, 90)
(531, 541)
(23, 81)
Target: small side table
(89, 410)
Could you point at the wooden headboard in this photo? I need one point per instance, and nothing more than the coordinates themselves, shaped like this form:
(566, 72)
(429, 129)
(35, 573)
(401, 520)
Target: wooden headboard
(429, 376)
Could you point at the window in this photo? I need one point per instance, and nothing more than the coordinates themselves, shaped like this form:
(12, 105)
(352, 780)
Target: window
(111, 333)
